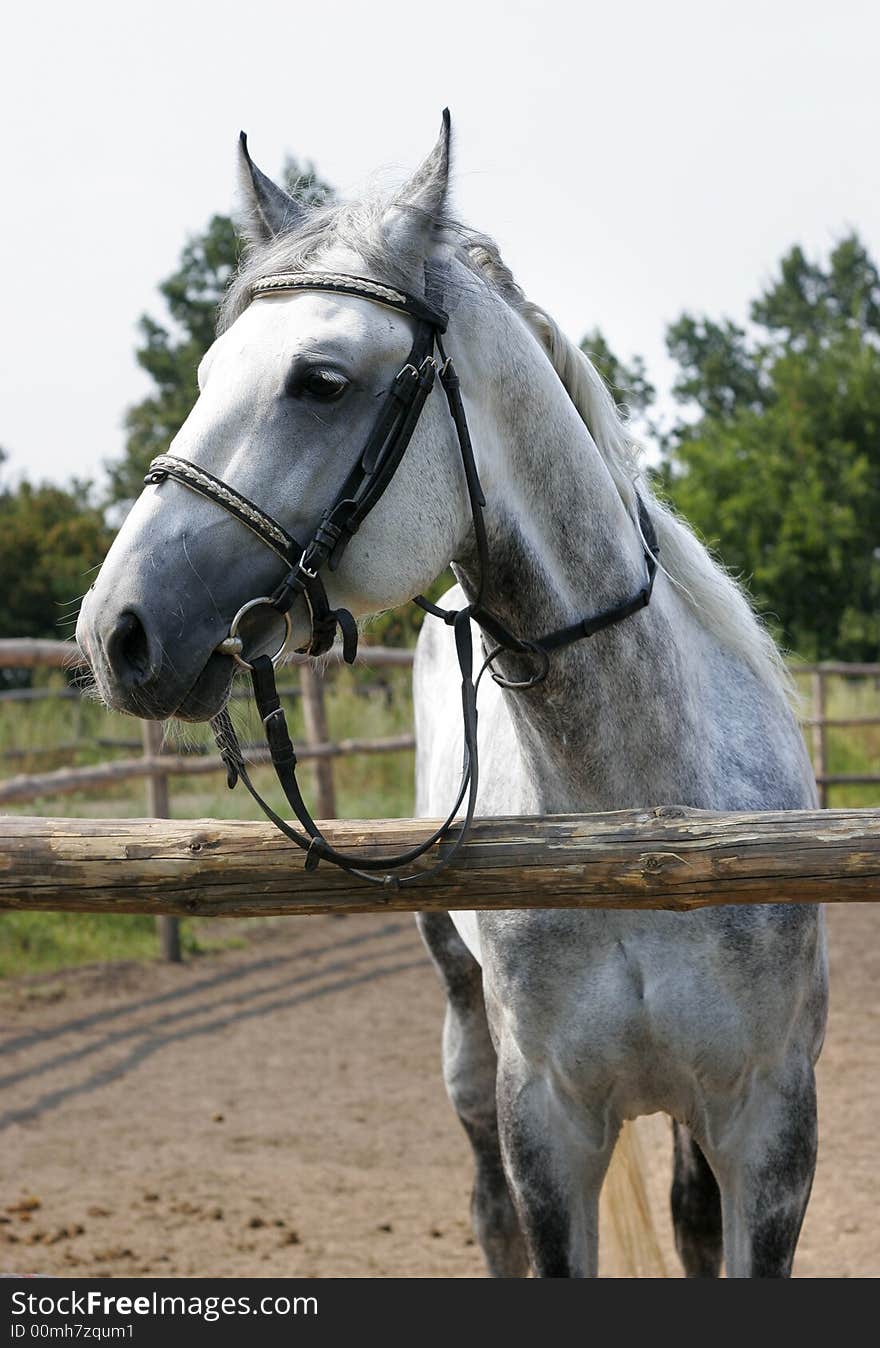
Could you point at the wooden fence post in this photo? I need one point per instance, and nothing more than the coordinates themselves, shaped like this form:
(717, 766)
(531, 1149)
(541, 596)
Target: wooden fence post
(820, 766)
(311, 682)
(158, 807)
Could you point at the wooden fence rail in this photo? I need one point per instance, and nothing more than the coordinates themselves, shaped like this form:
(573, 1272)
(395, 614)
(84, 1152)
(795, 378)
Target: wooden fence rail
(670, 858)
(70, 748)
(27, 653)
(77, 693)
(31, 653)
(842, 668)
(65, 781)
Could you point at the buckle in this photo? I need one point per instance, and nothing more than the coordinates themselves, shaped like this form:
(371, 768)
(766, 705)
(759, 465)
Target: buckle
(312, 575)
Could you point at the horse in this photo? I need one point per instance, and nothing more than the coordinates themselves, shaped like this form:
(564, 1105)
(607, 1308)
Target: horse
(561, 1025)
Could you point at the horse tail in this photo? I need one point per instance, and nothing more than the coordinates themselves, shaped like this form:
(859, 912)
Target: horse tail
(625, 1212)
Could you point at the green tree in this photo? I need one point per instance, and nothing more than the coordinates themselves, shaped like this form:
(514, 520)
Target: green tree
(51, 539)
(808, 305)
(171, 350)
(717, 369)
(779, 463)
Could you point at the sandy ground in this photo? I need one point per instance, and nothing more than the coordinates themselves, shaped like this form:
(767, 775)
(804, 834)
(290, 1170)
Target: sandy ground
(278, 1110)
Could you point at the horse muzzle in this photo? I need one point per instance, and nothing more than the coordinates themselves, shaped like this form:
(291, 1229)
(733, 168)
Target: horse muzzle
(127, 654)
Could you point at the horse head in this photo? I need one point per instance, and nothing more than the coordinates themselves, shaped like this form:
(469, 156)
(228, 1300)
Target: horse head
(289, 393)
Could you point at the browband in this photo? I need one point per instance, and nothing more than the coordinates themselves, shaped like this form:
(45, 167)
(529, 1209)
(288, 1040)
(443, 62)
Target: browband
(286, 282)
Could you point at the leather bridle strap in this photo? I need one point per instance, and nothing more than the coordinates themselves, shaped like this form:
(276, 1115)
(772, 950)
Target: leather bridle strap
(324, 619)
(361, 491)
(609, 617)
(380, 458)
(341, 283)
(284, 761)
(199, 480)
(365, 484)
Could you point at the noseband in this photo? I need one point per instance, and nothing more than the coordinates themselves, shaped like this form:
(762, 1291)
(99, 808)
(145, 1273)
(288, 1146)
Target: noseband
(363, 488)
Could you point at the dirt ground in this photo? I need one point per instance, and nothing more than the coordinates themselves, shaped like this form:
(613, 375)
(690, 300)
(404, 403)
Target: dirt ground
(278, 1110)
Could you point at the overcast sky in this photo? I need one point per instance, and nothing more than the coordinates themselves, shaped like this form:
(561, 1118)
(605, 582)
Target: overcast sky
(633, 160)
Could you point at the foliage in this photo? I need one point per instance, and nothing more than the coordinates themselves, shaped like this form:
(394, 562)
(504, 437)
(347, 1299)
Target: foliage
(51, 538)
(170, 351)
(774, 455)
(779, 462)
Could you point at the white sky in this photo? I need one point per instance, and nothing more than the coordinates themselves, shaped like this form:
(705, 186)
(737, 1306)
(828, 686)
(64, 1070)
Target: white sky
(633, 160)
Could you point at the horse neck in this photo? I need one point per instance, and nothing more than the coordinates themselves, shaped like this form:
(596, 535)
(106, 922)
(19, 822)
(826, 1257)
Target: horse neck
(563, 546)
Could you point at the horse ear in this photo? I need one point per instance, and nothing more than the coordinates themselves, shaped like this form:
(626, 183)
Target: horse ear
(270, 210)
(409, 221)
(427, 188)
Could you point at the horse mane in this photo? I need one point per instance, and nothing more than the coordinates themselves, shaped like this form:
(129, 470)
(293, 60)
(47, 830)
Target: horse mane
(717, 599)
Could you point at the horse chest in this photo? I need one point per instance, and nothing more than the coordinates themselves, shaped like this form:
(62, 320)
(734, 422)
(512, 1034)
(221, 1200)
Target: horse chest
(643, 1010)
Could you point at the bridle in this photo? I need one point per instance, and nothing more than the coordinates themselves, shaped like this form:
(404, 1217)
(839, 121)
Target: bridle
(364, 486)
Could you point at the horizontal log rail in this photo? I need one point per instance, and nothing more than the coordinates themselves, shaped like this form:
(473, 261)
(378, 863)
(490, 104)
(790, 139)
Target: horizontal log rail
(34, 653)
(74, 747)
(839, 722)
(668, 858)
(65, 781)
(69, 693)
(74, 692)
(838, 668)
(28, 653)
(847, 778)
(31, 652)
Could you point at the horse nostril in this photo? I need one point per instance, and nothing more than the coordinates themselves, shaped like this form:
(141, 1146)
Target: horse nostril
(128, 650)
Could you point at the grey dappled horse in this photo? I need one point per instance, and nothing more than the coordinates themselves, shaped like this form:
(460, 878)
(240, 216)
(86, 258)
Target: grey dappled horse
(560, 1025)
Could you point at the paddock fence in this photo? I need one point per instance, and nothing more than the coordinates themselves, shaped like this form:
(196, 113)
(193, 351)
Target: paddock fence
(665, 858)
(157, 767)
(819, 724)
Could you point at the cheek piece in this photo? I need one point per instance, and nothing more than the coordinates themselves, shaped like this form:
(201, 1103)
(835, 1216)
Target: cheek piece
(364, 486)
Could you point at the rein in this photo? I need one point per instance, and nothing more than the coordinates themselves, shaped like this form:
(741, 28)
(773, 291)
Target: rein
(364, 486)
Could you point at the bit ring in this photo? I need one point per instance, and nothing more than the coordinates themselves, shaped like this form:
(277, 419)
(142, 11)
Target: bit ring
(232, 644)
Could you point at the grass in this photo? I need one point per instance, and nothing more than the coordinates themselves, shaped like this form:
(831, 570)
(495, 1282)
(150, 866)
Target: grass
(364, 706)
(368, 705)
(38, 942)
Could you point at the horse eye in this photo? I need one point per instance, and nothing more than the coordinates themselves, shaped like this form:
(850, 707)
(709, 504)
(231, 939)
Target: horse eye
(323, 385)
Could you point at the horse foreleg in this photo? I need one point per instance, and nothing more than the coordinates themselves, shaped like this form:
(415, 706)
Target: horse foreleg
(765, 1166)
(555, 1168)
(696, 1208)
(469, 1070)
